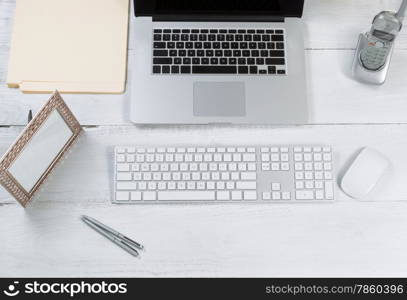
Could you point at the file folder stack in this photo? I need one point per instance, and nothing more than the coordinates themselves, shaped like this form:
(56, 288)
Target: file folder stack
(74, 46)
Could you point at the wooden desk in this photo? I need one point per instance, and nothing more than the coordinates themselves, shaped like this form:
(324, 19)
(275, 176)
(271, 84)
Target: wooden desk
(347, 238)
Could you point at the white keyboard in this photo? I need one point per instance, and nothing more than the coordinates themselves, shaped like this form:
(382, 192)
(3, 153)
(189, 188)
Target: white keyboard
(223, 174)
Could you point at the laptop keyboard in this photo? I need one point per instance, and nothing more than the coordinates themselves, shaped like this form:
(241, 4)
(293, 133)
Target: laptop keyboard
(219, 51)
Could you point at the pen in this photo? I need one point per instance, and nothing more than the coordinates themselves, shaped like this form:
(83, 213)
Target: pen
(114, 232)
(30, 116)
(114, 238)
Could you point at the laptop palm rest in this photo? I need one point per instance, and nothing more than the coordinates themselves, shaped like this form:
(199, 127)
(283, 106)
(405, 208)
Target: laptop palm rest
(219, 99)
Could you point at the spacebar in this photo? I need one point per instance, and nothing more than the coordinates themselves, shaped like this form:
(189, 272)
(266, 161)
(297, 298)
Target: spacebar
(214, 69)
(186, 196)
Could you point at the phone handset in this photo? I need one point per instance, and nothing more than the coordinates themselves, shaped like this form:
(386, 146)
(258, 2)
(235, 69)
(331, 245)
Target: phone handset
(374, 49)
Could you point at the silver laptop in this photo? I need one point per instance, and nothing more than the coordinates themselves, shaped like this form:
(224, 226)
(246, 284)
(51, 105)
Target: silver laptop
(218, 61)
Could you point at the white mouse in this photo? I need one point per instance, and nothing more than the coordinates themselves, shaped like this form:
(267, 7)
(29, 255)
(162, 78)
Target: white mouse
(364, 173)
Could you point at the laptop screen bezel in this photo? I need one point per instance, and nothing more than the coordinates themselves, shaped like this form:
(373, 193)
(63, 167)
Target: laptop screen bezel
(290, 8)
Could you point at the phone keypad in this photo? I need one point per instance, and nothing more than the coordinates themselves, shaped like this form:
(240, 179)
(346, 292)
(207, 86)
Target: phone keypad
(374, 56)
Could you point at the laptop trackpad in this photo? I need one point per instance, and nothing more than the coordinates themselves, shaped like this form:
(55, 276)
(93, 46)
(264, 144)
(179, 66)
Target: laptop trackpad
(217, 99)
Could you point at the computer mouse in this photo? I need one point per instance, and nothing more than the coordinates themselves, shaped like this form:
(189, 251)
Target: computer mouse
(364, 173)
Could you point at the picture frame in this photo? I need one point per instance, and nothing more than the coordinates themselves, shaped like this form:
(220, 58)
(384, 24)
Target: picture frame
(7, 180)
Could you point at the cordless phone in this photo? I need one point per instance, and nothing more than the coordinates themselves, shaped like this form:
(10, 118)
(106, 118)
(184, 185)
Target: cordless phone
(375, 48)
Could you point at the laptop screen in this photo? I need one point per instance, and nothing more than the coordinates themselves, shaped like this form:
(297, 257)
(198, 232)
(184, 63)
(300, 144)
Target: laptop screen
(284, 8)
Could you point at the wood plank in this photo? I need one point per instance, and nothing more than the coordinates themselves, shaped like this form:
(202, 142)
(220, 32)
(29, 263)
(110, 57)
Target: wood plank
(333, 24)
(87, 174)
(334, 97)
(337, 24)
(194, 241)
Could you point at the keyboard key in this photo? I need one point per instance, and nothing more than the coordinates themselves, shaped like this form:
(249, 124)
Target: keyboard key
(304, 195)
(250, 195)
(186, 195)
(122, 196)
(156, 69)
(162, 61)
(214, 69)
(277, 38)
(175, 69)
(243, 70)
(185, 69)
(276, 53)
(159, 45)
(275, 61)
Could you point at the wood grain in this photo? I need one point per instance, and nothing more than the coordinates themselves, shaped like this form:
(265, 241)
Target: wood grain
(331, 31)
(347, 238)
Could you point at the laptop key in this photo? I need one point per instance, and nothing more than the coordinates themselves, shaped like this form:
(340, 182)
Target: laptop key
(185, 69)
(262, 72)
(271, 46)
(205, 61)
(253, 69)
(272, 69)
(186, 61)
(177, 61)
(170, 45)
(241, 61)
(260, 61)
(195, 61)
(159, 45)
(277, 38)
(162, 61)
(173, 52)
(214, 61)
(175, 69)
(160, 52)
(214, 69)
(156, 69)
(157, 37)
(166, 69)
(276, 53)
(281, 72)
(251, 61)
(275, 61)
(280, 45)
(243, 70)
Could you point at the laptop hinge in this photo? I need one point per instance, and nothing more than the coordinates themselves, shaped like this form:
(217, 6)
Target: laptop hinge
(216, 18)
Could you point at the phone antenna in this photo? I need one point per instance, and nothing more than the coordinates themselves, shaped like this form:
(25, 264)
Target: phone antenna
(403, 8)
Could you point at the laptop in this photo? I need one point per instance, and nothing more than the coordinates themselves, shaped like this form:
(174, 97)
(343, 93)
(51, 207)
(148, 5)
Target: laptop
(218, 61)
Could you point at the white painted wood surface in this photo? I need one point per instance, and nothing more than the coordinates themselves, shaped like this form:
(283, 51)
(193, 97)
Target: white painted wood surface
(347, 238)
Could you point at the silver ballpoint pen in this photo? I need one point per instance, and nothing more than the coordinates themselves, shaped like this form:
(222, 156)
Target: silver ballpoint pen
(116, 237)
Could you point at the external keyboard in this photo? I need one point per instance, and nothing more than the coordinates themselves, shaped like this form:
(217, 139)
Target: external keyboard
(219, 51)
(223, 174)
